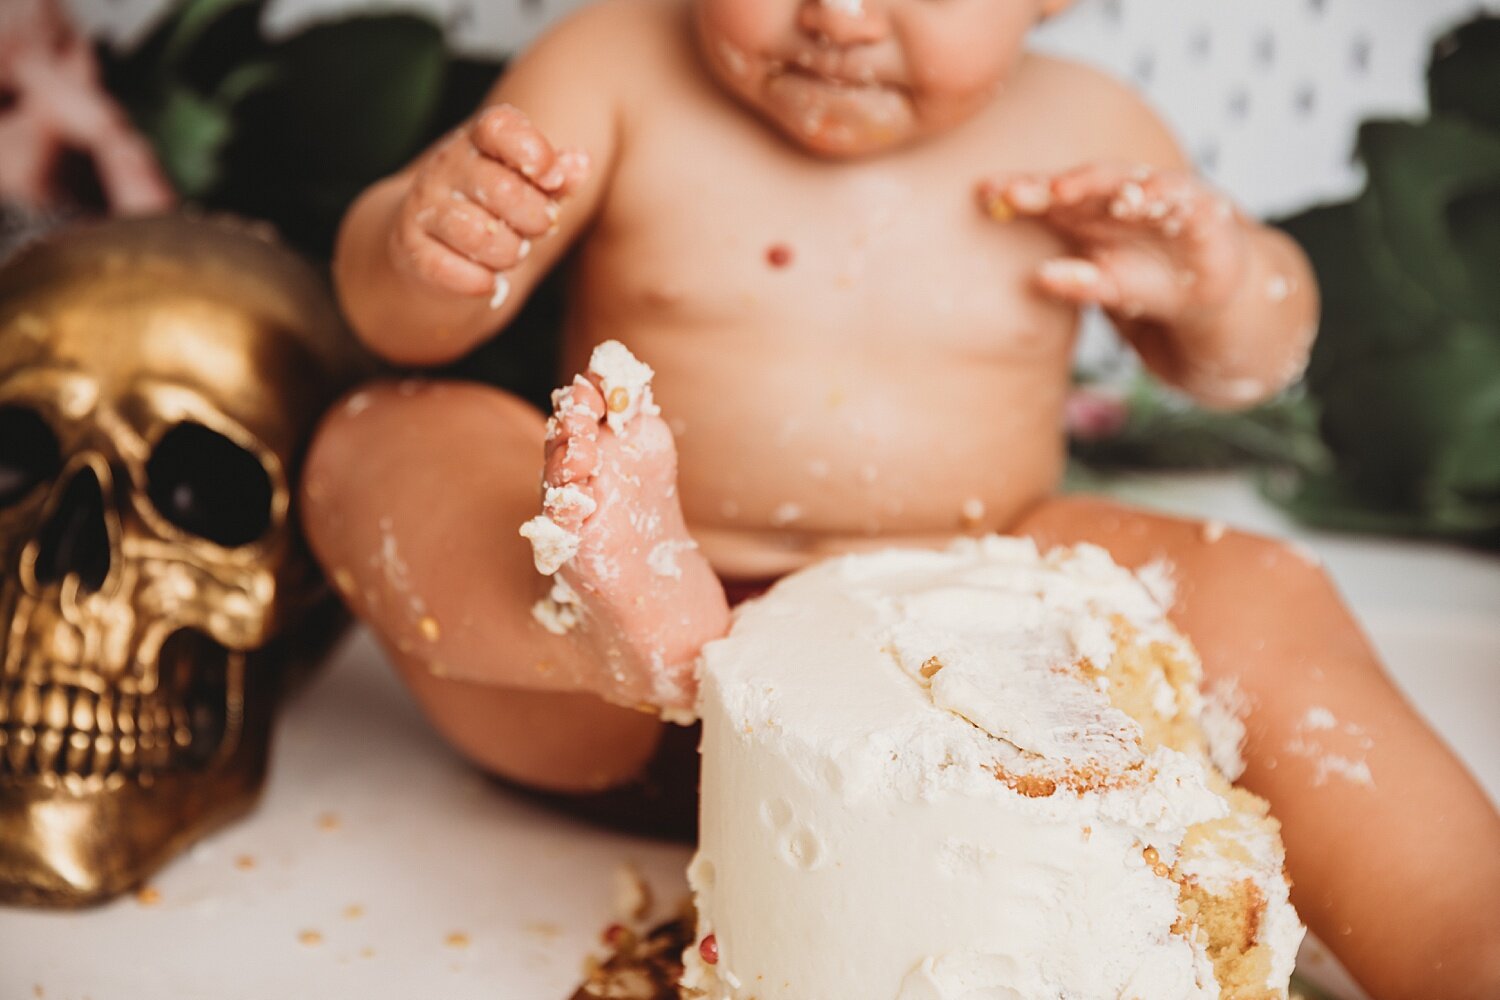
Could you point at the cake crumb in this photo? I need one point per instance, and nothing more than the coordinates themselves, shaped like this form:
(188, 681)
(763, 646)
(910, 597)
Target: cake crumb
(148, 895)
(329, 821)
(245, 862)
(353, 911)
(632, 894)
(458, 939)
(310, 938)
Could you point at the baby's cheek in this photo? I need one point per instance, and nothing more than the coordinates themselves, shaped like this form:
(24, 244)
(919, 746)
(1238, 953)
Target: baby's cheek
(953, 59)
(744, 26)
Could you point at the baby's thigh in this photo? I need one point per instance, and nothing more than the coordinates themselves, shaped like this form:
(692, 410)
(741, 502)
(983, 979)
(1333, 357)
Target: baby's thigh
(413, 495)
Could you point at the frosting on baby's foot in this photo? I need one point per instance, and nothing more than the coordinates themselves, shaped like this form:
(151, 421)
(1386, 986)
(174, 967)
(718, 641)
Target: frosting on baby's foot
(627, 576)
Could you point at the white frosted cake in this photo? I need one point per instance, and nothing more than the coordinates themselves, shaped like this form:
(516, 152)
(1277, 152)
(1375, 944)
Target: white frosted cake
(977, 774)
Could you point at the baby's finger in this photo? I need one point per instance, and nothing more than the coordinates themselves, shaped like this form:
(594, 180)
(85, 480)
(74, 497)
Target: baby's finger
(575, 166)
(479, 236)
(1093, 182)
(1003, 199)
(504, 133)
(506, 195)
(432, 262)
(1073, 279)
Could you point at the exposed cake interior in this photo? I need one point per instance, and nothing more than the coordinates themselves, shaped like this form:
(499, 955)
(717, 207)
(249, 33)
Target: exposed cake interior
(973, 773)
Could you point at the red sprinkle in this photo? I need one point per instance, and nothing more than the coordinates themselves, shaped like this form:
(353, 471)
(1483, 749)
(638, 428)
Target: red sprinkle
(709, 949)
(778, 255)
(613, 934)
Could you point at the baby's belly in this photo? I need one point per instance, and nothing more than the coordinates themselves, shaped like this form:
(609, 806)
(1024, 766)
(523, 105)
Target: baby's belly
(787, 460)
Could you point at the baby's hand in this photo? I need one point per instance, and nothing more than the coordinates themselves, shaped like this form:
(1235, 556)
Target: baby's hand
(1148, 244)
(477, 200)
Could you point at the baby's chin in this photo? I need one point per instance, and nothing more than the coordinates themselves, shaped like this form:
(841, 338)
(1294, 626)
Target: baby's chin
(836, 122)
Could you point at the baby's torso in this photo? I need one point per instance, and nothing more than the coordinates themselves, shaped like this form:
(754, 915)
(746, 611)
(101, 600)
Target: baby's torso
(850, 354)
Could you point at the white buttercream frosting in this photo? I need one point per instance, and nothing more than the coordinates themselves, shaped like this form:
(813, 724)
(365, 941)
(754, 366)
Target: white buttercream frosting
(917, 785)
(625, 382)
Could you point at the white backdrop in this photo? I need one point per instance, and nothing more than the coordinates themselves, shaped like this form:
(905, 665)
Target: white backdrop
(1265, 94)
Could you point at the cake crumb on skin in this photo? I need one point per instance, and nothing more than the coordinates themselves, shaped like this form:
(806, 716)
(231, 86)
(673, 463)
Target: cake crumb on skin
(1213, 531)
(148, 895)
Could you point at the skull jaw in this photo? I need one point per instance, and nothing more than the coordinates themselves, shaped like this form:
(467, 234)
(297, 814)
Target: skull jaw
(63, 846)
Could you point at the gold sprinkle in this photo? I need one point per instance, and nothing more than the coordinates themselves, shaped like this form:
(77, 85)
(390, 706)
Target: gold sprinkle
(244, 862)
(429, 627)
(147, 896)
(457, 939)
(310, 938)
(343, 580)
(329, 821)
(1152, 856)
(619, 399)
(999, 209)
(931, 667)
(353, 911)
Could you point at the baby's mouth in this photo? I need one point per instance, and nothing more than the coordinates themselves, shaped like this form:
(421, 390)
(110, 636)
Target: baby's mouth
(834, 108)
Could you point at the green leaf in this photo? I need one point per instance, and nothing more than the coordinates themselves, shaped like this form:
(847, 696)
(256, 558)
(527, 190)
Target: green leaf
(190, 133)
(247, 80)
(191, 20)
(1464, 76)
(347, 103)
(1417, 172)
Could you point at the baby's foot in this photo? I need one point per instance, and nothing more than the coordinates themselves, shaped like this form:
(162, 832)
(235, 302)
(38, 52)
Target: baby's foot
(627, 575)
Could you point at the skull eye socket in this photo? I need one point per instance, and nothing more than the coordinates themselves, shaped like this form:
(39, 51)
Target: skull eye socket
(209, 486)
(29, 454)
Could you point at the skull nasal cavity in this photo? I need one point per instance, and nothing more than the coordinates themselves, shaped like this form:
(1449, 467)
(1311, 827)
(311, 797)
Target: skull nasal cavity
(75, 540)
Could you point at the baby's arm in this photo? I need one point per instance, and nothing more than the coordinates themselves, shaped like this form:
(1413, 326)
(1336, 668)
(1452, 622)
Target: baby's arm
(1215, 303)
(439, 256)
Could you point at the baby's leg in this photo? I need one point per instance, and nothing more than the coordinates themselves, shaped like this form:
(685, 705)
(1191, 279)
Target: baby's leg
(413, 495)
(1397, 867)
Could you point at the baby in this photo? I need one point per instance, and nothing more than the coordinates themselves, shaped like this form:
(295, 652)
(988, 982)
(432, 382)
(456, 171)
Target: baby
(852, 239)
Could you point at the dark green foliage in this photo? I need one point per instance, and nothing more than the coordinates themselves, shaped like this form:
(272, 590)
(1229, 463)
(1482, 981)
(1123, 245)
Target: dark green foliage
(1397, 426)
(1405, 375)
(290, 131)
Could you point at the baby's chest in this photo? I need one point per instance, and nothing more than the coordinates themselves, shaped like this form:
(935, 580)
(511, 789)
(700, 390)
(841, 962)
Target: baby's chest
(869, 252)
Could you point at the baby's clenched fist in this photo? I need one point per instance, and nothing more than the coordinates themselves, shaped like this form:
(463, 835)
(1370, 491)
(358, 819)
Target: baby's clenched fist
(478, 199)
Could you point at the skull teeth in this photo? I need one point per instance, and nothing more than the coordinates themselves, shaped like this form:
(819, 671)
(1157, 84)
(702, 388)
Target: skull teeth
(56, 732)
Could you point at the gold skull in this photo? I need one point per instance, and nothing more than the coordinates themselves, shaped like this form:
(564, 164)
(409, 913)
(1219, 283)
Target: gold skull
(158, 382)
